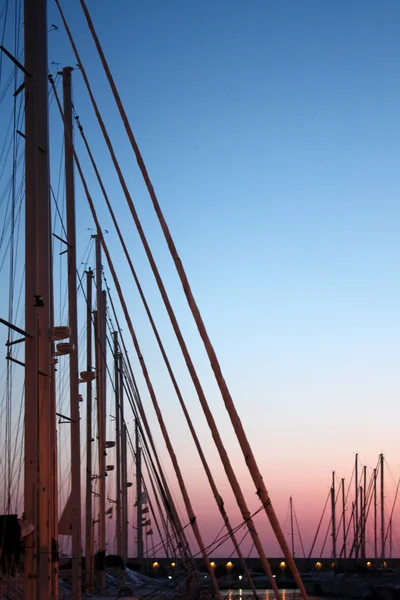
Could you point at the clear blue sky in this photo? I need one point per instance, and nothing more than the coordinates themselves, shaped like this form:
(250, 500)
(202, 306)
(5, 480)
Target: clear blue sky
(271, 132)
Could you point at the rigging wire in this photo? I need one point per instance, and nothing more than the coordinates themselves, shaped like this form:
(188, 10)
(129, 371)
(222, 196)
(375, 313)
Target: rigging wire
(228, 401)
(261, 490)
(225, 459)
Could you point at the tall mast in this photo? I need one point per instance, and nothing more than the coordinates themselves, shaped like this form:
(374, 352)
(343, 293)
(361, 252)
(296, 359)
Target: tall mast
(118, 426)
(356, 535)
(382, 510)
(124, 477)
(39, 434)
(31, 297)
(76, 517)
(139, 495)
(291, 524)
(89, 512)
(101, 393)
(344, 520)
(44, 249)
(333, 517)
(375, 519)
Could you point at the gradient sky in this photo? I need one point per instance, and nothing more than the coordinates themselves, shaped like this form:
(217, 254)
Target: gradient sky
(270, 130)
(271, 133)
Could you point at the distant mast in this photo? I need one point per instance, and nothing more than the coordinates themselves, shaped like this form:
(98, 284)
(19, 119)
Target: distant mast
(333, 517)
(124, 464)
(101, 402)
(89, 514)
(356, 534)
(375, 519)
(344, 520)
(139, 530)
(118, 507)
(364, 512)
(382, 510)
(291, 524)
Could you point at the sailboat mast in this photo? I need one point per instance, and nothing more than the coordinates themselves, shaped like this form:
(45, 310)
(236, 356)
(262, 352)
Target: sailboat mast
(382, 509)
(44, 314)
(375, 519)
(356, 535)
(54, 455)
(360, 495)
(333, 517)
(117, 445)
(291, 524)
(344, 520)
(39, 578)
(31, 296)
(101, 392)
(139, 495)
(364, 511)
(124, 474)
(76, 516)
(89, 513)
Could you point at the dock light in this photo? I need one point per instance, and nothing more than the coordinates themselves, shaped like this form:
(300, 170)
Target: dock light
(169, 576)
(173, 564)
(318, 565)
(212, 564)
(368, 564)
(155, 565)
(240, 577)
(282, 565)
(229, 565)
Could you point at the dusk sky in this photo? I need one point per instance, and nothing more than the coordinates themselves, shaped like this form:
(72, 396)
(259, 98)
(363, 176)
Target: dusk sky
(271, 132)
